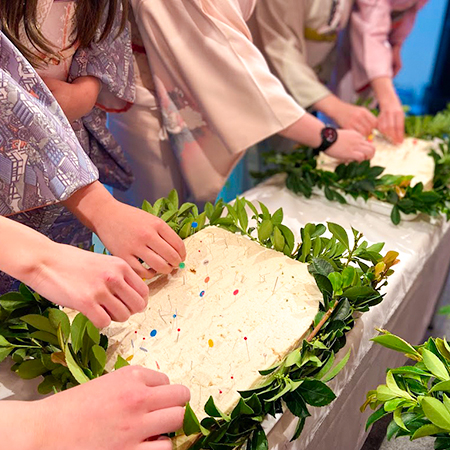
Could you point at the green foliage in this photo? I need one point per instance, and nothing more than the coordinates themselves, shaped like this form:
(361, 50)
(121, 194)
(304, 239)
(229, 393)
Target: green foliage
(361, 180)
(416, 396)
(41, 341)
(348, 272)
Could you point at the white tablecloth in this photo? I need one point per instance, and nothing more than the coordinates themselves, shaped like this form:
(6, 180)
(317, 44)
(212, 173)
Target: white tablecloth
(406, 310)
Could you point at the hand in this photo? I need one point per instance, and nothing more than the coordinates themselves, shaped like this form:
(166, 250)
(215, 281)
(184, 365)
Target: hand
(351, 146)
(102, 287)
(133, 235)
(128, 232)
(396, 59)
(358, 118)
(391, 121)
(128, 409)
(76, 99)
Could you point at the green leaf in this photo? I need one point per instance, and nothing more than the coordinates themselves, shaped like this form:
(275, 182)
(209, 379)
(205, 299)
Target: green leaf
(4, 342)
(395, 215)
(339, 233)
(426, 430)
(321, 266)
(298, 429)
(49, 384)
(241, 409)
(191, 425)
(259, 440)
(316, 393)
(97, 359)
(277, 217)
(46, 337)
(395, 343)
(377, 415)
(39, 322)
(337, 368)
(336, 281)
(441, 386)
(212, 410)
(173, 198)
(265, 230)
(436, 412)
(30, 369)
(398, 419)
(74, 368)
(58, 317)
(4, 352)
(147, 207)
(13, 300)
(265, 212)
(121, 362)
(278, 239)
(435, 365)
(78, 329)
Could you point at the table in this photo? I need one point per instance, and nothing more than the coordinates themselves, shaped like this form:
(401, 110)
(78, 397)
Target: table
(411, 296)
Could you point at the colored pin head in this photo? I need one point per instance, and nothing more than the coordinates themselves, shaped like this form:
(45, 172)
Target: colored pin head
(182, 265)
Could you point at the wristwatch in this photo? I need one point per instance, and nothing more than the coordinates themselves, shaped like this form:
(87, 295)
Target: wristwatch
(329, 137)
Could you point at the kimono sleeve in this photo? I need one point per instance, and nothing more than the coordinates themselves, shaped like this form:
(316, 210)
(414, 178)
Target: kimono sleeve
(111, 61)
(41, 160)
(371, 54)
(402, 29)
(280, 28)
(203, 51)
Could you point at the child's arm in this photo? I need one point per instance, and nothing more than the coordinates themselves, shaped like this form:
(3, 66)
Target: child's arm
(101, 287)
(77, 98)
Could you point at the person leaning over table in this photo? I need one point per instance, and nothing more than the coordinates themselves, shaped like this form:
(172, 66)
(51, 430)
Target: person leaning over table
(204, 95)
(370, 57)
(299, 39)
(44, 169)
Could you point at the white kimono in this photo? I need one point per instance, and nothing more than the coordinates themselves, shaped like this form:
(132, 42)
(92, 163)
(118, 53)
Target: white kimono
(205, 94)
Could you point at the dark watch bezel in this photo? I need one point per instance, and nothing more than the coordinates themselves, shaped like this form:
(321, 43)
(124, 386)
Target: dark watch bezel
(327, 141)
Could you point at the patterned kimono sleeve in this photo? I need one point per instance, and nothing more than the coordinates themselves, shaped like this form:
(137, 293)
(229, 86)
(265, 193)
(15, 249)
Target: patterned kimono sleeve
(111, 61)
(41, 161)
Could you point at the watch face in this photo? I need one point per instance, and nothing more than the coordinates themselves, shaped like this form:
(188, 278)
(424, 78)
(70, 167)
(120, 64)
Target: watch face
(329, 134)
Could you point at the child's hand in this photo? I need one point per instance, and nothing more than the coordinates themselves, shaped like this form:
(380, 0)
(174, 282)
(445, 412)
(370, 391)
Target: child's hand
(76, 99)
(133, 234)
(128, 409)
(102, 287)
(128, 232)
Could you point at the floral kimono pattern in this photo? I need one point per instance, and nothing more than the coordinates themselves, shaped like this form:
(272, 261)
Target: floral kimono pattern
(41, 161)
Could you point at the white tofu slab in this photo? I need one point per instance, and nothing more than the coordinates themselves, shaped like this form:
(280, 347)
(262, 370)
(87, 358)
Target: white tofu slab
(235, 308)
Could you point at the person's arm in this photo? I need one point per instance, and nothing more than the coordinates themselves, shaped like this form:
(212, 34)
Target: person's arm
(130, 408)
(102, 287)
(391, 121)
(77, 98)
(128, 232)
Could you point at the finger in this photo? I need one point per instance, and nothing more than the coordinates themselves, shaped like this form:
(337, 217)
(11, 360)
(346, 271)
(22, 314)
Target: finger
(98, 316)
(154, 261)
(368, 149)
(370, 120)
(115, 309)
(140, 270)
(152, 378)
(162, 443)
(400, 127)
(163, 421)
(129, 297)
(165, 250)
(358, 155)
(168, 396)
(174, 240)
(136, 282)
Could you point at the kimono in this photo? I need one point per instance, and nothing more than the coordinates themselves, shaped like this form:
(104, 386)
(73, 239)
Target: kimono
(365, 52)
(299, 39)
(41, 160)
(111, 62)
(205, 94)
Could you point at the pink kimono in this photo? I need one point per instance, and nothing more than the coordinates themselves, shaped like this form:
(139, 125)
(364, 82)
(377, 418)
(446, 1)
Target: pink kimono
(204, 95)
(375, 27)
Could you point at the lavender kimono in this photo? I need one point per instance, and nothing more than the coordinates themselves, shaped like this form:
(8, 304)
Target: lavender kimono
(41, 161)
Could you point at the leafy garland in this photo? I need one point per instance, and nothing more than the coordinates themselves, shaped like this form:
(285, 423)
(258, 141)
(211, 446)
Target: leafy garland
(362, 180)
(417, 396)
(348, 272)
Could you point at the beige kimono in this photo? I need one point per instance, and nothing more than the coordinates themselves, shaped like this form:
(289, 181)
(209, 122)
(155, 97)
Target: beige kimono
(205, 94)
(298, 39)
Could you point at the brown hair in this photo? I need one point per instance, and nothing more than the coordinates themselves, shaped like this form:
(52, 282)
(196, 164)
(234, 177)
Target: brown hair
(89, 15)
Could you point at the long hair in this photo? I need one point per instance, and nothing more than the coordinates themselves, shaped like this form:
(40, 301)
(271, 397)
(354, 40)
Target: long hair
(89, 17)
